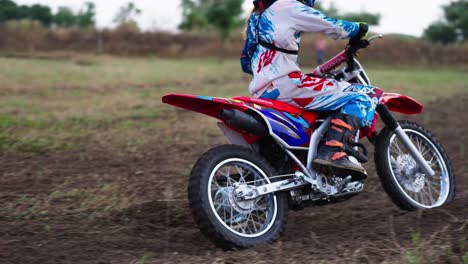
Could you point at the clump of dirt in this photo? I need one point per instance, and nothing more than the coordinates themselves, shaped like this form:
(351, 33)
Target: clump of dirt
(149, 219)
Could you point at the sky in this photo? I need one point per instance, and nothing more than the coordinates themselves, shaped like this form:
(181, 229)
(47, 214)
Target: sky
(398, 16)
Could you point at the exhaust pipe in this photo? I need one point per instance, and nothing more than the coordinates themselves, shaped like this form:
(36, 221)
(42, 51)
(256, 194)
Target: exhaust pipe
(244, 122)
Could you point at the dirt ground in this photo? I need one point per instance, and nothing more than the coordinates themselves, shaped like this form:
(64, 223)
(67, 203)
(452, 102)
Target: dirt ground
(159, 228)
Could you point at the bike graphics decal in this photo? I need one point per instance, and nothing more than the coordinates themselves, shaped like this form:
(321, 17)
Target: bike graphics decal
(292, 130)
(298, 119)
(209, 98)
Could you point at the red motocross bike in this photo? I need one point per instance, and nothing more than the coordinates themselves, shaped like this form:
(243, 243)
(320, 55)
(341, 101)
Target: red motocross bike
(240, 193)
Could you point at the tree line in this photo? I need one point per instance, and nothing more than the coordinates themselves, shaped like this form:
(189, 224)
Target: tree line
(454, 26)
(65, 17)
(227, 15)
(223, 16)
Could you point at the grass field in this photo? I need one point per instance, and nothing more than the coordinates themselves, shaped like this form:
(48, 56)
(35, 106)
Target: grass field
(89, 155)
(48, 104)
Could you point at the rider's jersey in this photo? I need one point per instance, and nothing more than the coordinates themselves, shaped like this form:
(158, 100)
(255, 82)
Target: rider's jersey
(281, 24)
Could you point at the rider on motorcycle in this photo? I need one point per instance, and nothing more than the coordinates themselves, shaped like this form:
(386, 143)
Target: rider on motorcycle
(270, 54)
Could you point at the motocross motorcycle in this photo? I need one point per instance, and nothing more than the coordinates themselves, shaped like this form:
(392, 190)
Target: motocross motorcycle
(240, 193)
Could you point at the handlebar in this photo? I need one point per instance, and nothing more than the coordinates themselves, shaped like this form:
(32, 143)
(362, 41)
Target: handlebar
(345, 56)
(351, 51)
(379, 36)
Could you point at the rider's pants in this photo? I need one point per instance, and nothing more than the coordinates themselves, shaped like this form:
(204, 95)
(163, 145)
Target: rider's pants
(323, 95)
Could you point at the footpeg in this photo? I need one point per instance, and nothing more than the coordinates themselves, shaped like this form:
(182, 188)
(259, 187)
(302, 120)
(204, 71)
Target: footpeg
(344, 183)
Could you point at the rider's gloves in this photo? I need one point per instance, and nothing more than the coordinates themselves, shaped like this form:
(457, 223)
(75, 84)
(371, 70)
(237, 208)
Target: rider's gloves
(363, 31)
(359, 41)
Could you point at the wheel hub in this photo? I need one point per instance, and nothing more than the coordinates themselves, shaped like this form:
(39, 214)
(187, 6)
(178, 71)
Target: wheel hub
(237, 201)
(407, 171)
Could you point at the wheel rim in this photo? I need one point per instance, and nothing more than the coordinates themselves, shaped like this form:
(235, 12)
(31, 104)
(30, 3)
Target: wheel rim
(421, 190)
(251, 218)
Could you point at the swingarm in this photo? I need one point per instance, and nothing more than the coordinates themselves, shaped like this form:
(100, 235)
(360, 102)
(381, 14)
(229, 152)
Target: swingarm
(247, 192)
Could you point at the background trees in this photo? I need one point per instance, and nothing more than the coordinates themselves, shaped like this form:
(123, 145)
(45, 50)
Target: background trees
(64, 17)
(221, 15)
(440, 32)
(125, 18)
(193, 15)
(86, 17)
(226, 15)
(332, 11)
(9, 10)
(454, 27)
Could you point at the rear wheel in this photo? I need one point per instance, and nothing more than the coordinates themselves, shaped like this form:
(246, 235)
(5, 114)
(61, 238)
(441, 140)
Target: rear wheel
(405, 183)
(228, 221)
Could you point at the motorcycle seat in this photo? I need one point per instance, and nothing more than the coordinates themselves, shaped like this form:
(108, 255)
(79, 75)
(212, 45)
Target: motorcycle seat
(277, 105)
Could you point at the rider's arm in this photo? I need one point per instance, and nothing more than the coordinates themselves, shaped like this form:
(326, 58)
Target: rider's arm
(306, 19)
(246, 55)
(245, 59)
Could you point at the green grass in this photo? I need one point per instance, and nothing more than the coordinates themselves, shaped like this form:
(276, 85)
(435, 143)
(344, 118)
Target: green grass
(48, 105)
(423, 84)
(30, 73)
(427, 249)
(101, 199)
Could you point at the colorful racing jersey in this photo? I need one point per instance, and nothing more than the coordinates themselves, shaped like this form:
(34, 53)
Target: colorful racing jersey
(281, 25)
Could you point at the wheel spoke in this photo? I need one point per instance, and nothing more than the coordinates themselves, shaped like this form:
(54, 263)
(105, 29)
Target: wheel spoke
(418, 142)
(421, 197)
(241, 174)
(435, 183)
(397, 148)
(221, 204)
(256, 224)
(248, 222)
(421, 146)
(433, 188)
(425, 149)
(428, 193)
(434, 156)
(245, 175)
(216, 186)
(226, 171)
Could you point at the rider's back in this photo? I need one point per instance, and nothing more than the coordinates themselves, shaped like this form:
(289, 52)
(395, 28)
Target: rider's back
(281, 25)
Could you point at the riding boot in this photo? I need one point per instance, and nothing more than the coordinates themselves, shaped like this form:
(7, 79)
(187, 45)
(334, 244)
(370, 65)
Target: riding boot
(331, 157)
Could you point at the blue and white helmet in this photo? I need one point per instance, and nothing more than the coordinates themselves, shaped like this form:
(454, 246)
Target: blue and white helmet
(308, 2)
(263, 4)
(311, 3)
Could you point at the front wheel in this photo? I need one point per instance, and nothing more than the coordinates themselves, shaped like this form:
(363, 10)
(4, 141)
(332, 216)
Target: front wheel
(408, 187)
(224, 218)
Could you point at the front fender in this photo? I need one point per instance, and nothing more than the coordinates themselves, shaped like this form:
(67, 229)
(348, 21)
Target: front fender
(401, 103)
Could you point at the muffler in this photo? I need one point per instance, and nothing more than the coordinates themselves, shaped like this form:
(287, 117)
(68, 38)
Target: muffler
(244, 122)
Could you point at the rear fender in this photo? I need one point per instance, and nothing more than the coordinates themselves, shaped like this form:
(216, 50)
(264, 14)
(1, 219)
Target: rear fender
(210, 106)
(292, 131)
(401, 103)
(213, 106)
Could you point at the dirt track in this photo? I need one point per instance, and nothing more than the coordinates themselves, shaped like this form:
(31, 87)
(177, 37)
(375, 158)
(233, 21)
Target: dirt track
(368, 228)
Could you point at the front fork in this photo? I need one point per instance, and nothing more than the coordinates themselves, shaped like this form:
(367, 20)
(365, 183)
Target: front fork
(392, 123)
